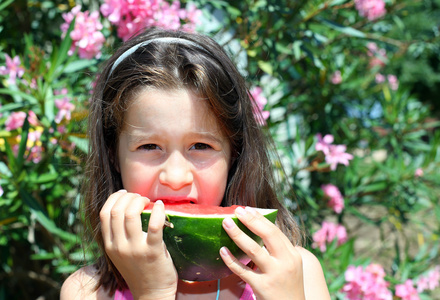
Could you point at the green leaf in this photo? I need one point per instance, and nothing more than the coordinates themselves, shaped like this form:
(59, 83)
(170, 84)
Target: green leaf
(11, 157)
(30, 98)
(59, 55)
(297, 49)
(311, 202)
(346, 30)
(45, 178)
(77, 65)
(233, 11)
(11, 107)
(80, 143)
(374, 186)
(360, 215)
(49, 104)
(40, 215)
(5, 4)
(266, 66)
(23, 142)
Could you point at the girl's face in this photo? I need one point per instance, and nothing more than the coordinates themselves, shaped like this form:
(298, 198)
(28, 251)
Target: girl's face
(172, 148)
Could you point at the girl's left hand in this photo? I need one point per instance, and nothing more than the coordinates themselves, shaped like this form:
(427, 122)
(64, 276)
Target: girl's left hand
(280, 271)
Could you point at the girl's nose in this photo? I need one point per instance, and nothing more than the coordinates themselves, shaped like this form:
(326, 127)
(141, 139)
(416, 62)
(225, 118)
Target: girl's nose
(176, 172)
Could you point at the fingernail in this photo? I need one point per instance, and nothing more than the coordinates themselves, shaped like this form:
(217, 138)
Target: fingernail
(228, 223)
(251, 210)
(240, 211)
(224, 251)
(159, 202)
(122, 191)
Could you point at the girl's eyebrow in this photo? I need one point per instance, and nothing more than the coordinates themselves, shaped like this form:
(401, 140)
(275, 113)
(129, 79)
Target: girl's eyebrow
(136, 138)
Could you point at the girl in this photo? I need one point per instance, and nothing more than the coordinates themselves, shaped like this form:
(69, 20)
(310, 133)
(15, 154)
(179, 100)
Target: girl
(171, 120)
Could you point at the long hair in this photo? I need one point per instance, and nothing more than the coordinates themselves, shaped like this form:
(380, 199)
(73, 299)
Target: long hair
(203, 67)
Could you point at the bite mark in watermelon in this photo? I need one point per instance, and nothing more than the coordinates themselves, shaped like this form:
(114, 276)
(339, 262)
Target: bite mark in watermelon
(196, 236)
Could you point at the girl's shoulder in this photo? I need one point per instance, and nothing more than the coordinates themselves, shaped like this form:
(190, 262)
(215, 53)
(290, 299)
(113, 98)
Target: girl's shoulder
(315, 286)
(82, 285)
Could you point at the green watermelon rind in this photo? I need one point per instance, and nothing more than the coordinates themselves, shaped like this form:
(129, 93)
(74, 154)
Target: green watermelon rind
(195, 241)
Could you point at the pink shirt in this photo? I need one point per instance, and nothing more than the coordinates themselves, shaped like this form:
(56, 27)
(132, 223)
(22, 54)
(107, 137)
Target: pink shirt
(248, 294)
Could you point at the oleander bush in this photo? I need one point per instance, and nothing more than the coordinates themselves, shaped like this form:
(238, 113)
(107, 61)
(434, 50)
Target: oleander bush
(348, 90)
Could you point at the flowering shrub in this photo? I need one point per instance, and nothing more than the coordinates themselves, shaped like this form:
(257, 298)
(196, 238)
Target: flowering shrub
(366, 283)
(328, 233)
(86, 35)
(348, 90)
(336, 201)
(334, 154)
(407, 291)
(371, 9)
(131, 16)
(12, 68)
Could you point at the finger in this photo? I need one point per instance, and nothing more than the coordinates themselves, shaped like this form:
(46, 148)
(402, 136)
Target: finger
(155, 225)
(253, 250)
(117, 216)
(133, 222)
(274, 239)
(105, 215)
(238, 268)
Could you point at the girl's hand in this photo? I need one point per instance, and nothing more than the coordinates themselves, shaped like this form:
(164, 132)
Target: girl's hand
(280, 271)
(141, 258)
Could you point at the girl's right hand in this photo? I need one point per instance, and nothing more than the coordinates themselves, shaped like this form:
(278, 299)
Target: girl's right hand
(142, 259)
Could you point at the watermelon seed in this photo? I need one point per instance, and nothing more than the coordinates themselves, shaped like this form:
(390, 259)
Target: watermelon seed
(168, 223)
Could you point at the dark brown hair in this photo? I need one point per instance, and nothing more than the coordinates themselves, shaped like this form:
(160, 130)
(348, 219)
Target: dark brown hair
(205, 69)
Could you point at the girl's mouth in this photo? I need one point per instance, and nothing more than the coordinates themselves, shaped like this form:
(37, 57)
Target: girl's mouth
(177, 200)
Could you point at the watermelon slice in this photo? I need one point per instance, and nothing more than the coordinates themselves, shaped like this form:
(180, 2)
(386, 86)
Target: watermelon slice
(194, 235)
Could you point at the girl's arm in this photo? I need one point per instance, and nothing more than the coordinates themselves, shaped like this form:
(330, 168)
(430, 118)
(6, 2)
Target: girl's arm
(284, 271)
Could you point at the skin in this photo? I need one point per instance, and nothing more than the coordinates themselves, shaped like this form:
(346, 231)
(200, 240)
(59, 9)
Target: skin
(171, 149)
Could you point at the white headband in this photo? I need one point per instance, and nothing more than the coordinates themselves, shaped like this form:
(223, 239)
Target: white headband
(166, 40)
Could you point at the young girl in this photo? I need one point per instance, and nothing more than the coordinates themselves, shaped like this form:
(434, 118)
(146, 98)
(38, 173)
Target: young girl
(171, 120)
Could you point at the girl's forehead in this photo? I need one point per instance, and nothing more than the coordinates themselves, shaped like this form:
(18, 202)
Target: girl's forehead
(180, 107)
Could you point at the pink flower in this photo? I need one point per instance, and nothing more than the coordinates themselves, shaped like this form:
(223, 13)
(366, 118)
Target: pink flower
(259, 102)
(430, 281)
(337, 155)
(380, 78)
(368, 283)
(86, 35)
(34, 148)
(371, 9)
(169, 15)
(418, 172)
(16, 120)
(323, 144)
(407, 291)
(64, 106)
(393, 81)
(192, 16)
(12, 68)
(336, 201)
(336, 77)
(378, 56)
(329, 232)
(334, 154)
(131, 16)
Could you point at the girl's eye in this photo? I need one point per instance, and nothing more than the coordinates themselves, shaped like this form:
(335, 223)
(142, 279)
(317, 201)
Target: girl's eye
(200, 146)
(149, 147)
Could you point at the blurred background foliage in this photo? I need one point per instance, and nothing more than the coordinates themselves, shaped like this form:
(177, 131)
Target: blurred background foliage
(370, 83)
